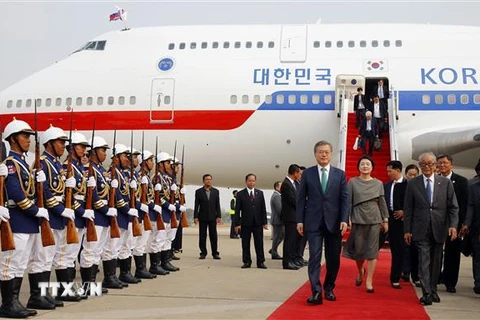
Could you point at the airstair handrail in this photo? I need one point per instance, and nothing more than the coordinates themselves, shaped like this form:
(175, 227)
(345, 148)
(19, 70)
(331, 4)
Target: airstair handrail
(342, 141)
(392, 120)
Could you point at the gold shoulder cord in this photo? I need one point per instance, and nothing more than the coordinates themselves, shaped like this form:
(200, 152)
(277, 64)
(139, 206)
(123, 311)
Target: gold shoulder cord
(83, 189)
(104, 193)
(29, 192)
(126, 189)
(60, 189)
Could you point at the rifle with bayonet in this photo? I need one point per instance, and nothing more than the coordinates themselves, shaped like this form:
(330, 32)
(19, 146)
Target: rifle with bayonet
(91, 231)
(5, 228)
(72, 234)
(173, 219)
(45, 230)
(184, 219)
(147, 223)
(114, 229)
(160, 223)
(136, 229)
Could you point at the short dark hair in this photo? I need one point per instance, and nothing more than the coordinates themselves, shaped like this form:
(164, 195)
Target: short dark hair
(234, 191)
(359, 89)
(442, 155)
(206, 175)
(375, 96)
(293, 168)
(276, 184)
(250, 174)
(303, 168)
(322, 143)
(368, 158)
(412, 166)
(395, 164)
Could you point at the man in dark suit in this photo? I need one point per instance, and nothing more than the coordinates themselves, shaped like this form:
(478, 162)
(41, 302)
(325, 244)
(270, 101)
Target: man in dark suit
(451, 259)
(289, 217)
(207, 212)
(368, 132)
(379, 113)
(359, 106)
(394, 196)
(322, 211)
(431, 210)
(472, 227)
(251, 217)
(381, 91)
(278, 229)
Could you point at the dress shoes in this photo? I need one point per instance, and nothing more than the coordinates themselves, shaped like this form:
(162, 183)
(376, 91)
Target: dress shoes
(435, 297)
(396, 285)
(330, 296)
(417, 283)
(358, 282)
(426, 300)
(276, 256)
(304, 262)
(316, 298)
(246, 265)
(216, 257)
(291, 266)
(202, 256)
(476, 290)
(270, 251)
(371, 290)
(405, 278)
(451, 289)
(261, 266)
(298, 263)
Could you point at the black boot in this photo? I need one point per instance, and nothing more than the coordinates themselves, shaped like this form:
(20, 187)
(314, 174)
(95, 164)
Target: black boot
(86, 274)
(36, 301)
(72, 272)
(108, 279)
(8, 308)
(94, 278)
(125, 275)
(173, 256)
(116, 265)
(48, 296)
(140, 268)
(17, 284)
(63, 276)
(155, 265)
(166, 263)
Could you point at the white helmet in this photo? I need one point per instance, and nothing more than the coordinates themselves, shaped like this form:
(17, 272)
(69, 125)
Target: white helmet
(99, 142)
(176, 160)
(17, 126)
(163, 156)
(53, 133)
(135, 151)
(121, 148)
(147, 154)
(78, 138)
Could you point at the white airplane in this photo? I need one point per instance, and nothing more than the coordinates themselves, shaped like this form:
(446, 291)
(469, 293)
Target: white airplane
(256, 98)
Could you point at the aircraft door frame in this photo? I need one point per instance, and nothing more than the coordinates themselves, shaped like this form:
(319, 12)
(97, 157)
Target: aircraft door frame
(346, 88)
(293, 47)
(162, 100)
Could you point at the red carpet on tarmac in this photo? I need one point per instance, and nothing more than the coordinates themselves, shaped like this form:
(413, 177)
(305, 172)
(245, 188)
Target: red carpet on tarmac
(354, 302)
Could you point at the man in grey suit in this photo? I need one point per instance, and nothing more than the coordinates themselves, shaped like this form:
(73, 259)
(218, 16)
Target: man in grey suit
(322, 211)
(278, 229)
(430, 211)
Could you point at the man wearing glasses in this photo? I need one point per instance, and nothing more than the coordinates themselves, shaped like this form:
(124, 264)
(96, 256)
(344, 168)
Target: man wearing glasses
(430, 211)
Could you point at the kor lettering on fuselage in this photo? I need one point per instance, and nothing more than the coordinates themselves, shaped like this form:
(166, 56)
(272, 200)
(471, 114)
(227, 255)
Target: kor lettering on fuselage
(449, 76)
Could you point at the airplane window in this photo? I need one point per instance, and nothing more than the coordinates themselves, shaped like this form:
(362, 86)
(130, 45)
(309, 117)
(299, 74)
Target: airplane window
(280, 99)
(215, 45)
(167, 100)
(426, 99)
(101, 45)
(39, 102)
(374, 43)
(58, 102)
(339, 44)
(91, 46)
(237, 44)
(204, 45)
(78, 101)
(386, 43)
(438, 99)
(316, 44)
(68, 102)
(244, 99)
(464, 99)
(256, 98)
(476, 99)
(271, 44)
(303, 99)
(133, 100)
(233, 99)
(171, 46)
(328, 44)
(363, 43)
(226, 45)
(28, 103)
(111, 101)
(268, 99)
(351, 44)
(182, 45)
(327, 99)
(398, 43)
(259, 44)
(248, 44)
(9, 103)
(193, 45)
(121, 100)
(292, 99)
(100, 101)
(19, 104)
(48, 102)
(452, 99)
(89, 101)
(315, 99)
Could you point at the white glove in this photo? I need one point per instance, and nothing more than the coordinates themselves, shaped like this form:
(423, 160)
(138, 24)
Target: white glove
(144, 208)
(3, 170)
(144, 180)
(88, 214)
(133, 184)
(183, 208)
(133, 212)
(171, 207)
(157, 208)
(42, 213)
(41, 176)
(173, 187)
(158, 187)
(68, 213)
(70, 182)
(182, 191)
(114, 183)
(92, 182)
(112, 212)
(4, 214)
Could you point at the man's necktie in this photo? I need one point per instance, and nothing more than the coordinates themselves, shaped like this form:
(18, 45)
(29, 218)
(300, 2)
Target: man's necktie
(324, 179)
(296, 184)
(391, 195)
(428, 188)
(251, 195)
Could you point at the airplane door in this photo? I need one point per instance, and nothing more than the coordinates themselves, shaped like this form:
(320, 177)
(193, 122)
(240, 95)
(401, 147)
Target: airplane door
(162, 101)
(346, 86)
(294, 44)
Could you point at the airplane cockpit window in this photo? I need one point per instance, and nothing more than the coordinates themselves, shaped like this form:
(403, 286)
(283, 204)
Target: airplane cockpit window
(259, 44)
(398, 43)
(9, 103)
(19, 104)
(28, 103)
(426, 99)
(351, 44)
(100, 101)
(233, 99)
(121, 100)
(316, 44)
(244, 99)
(133, 100)
(328, 44)
(374, 43)
(452, 99)
(58, 102)
(237, 44)
(89, 101)
(93, 45)
(464, 99)
(78, 101)
(339, 44)
(268, 99)
(363, 44)
(48, 102)
(226, 45)
(248, 44)
(215, 45)
(271, 44)
(204, 45)
(193, 45)
(182, 46)
(101, 45)
(111, 101)
(171, 46)
(476, 99)
(386, 43)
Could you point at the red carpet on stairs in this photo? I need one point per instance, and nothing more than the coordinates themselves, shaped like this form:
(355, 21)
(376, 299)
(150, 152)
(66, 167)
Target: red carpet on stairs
(354, 302)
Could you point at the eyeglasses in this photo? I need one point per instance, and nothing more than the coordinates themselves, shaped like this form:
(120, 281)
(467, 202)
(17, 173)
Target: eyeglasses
(424, 164)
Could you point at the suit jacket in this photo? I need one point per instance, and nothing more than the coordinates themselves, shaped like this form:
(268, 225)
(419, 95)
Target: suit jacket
(460, 185)
(276, 206)
(356, 98)
(207, 209)
(386, 93)
(472, 219)
(398, 195)
(289, 202)
(314, 207)
(443, 212)
(363, 127)
(383, 109)
(250, 213)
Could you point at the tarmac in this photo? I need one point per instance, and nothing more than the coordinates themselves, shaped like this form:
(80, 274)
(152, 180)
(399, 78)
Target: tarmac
(219, 289)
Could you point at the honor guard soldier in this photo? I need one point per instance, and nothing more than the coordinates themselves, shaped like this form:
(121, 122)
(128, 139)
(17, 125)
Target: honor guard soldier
(177, 243)
(24, 214)
(54, 140)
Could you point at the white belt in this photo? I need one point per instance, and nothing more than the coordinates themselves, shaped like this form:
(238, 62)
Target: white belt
(79, 197)
(59, 199)
(11, 204)
(104, 202)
